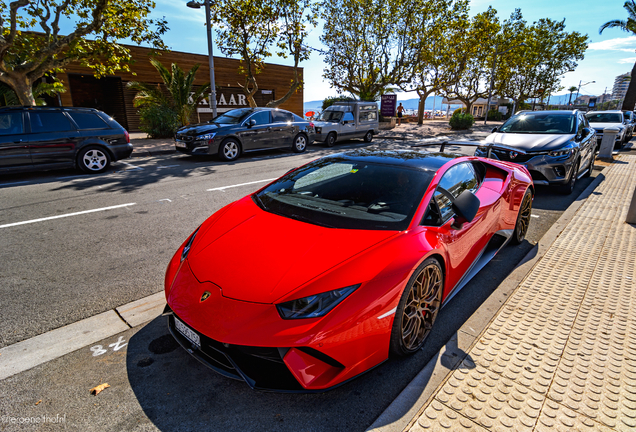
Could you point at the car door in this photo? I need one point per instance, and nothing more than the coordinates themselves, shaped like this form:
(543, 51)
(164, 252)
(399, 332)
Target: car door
(348, 128)
(14, 150)
(258, 135)
(282, 132)
(53, 138)
(463, 245)
(587, 144)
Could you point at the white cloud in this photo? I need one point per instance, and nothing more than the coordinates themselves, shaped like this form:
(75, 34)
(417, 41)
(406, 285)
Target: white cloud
(626, 44)
(629, 60)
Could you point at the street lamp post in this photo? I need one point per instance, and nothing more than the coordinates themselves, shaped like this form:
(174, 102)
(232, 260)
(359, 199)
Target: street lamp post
(492, 75)
(579, 89)
(196, 5)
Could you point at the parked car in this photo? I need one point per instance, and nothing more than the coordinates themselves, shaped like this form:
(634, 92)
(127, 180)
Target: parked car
(320, 275)
(346, 120)
(243, 130)
(630, 123)
(600, 120)
(44, 138)
(557, 147)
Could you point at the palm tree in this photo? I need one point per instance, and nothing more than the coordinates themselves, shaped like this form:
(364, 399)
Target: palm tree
(628, 26)
(571, 90)
(181, 98)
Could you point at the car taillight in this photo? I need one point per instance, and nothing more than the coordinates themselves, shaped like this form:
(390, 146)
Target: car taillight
(127, 136)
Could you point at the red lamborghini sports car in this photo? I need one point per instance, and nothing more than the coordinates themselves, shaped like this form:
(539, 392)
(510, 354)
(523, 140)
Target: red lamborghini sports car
(322, 274)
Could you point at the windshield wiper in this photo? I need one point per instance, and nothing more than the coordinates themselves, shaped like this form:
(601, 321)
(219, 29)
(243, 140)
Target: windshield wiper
(308, 220)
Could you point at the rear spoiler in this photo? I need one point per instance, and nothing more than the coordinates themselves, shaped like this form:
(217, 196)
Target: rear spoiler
(488, 147)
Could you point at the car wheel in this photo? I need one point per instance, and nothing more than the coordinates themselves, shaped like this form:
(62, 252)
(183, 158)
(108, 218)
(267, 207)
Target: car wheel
(331, 139)
(523, 218)
(368, 137)
(93, 160)
(418, 308)
(569, 186)
(300, 143)
(230, 150)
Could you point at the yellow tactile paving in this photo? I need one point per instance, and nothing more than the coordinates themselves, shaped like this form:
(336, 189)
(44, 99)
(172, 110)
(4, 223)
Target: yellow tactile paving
(561, 353)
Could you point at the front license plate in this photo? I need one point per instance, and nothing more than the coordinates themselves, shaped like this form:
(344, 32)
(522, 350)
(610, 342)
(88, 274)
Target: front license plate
(187, 332)
(181, 144)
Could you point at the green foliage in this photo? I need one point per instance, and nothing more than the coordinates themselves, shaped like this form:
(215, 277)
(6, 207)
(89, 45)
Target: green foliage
(91, 40)
(494, 115)
(253, 29)
(181, 97)
(458, 111)
(8, 96)
(331, 100)
(158, 121)
(460, 121)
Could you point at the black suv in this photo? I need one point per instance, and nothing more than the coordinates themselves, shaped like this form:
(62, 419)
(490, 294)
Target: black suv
(43, 138)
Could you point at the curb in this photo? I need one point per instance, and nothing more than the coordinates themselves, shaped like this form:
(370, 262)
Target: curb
(403, 412)
(144, 153)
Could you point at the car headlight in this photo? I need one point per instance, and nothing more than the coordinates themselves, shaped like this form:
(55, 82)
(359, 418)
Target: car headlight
(314, 306)
(206, 137)
(562, 152)
(188, 245)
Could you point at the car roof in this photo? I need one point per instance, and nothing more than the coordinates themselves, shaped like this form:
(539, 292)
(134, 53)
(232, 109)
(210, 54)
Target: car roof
(45, 108)
(427, 161)
(569, 112)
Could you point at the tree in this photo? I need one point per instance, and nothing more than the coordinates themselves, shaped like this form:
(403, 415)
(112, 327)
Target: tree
(571, 90)
(434, 53)
(629, 26)
(251, 29)
(473, 66)
(25, 56)
(183, 98)
(369, 44)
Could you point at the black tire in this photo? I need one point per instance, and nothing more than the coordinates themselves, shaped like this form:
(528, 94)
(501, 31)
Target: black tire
(523, 218)
(300, 143)
(368, 136)
(93, 159)
(230, 150)
(568, 188)
(331, 139)
(412, 324)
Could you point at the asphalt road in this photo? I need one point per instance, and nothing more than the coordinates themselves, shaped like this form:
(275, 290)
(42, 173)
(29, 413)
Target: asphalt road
(58, 271)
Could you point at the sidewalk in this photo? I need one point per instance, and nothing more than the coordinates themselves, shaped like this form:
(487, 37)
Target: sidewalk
(560, 354)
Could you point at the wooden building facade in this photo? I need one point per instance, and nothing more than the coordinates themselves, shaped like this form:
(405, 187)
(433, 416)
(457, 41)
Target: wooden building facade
(111, 95)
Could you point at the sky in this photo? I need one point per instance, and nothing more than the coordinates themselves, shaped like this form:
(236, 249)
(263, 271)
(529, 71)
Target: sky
(608, 55)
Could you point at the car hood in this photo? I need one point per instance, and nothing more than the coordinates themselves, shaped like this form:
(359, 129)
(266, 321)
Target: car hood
(601, 126)
(259, 257)
(530, 142)
(202, 128)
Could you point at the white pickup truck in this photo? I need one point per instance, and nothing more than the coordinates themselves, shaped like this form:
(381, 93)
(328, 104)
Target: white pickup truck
(345, 120)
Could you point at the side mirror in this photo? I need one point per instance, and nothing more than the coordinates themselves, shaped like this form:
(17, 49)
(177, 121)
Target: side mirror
(495, 129)
(585, 132)
(251, 123)
(465, 206)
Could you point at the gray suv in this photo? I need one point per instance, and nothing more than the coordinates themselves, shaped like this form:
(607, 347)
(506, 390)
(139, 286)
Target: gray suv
(44, 138)
(557, 147)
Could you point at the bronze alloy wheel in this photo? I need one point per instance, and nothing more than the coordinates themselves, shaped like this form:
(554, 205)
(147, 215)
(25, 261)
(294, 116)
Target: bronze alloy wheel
(418, 308)
(523, 217)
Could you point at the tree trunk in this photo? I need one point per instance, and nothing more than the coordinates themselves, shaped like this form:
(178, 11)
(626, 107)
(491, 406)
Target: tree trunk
(22, 87)
(421, 106)
(630, 96)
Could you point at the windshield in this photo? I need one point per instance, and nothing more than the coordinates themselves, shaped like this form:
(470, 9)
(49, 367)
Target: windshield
(234, 116)
(330, 116)
(604, 117)
(540, 123)
(341, 193)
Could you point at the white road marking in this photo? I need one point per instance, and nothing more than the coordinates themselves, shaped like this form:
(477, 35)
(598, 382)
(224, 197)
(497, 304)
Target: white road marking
(237, 185)
(389, 313)
(535, 216)
(131, 166)
(166, 166)
(66, 215)
(165, 199)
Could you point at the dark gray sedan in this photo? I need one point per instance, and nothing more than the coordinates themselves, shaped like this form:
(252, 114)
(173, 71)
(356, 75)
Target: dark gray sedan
(244, 130)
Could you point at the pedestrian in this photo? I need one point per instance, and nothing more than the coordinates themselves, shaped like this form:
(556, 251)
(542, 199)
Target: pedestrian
(400, 113)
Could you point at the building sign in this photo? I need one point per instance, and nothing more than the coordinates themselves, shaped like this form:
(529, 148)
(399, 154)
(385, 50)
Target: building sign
(228, 98)
(592, 102)
(388, 104)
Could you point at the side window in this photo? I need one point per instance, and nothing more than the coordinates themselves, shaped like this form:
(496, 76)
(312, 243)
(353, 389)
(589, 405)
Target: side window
(368, 116)
(49, 121)
(261, 117)
(581, 126)
(11, 123)
(456, 180)
(87, 120)
(282, 117)
(348, 117)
